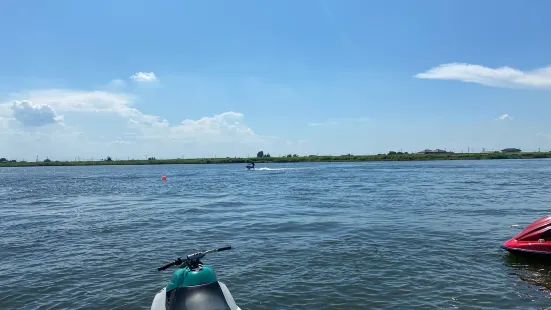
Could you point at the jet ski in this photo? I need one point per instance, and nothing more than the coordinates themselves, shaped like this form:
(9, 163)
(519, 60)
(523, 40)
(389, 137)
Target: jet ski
(534, 239)
(250, 166)
(194, 286)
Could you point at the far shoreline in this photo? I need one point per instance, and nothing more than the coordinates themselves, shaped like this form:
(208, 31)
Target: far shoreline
(291, 159)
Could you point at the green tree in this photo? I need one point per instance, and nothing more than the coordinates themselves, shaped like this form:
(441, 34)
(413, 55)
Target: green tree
(260, 154)
(109, 158)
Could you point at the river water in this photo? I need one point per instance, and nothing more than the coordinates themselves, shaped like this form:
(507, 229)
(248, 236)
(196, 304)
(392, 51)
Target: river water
(379, 235)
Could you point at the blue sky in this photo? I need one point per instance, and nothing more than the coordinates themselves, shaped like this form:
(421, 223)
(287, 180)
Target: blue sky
(228, 78)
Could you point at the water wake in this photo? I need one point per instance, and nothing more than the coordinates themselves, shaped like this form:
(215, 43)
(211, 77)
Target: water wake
(279, 169)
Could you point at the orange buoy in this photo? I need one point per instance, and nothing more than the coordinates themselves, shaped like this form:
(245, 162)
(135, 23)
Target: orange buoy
(163, 178)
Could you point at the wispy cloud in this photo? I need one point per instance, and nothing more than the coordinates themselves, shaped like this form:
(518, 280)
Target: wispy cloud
(504, 117)
(144, 77)
(496, 77)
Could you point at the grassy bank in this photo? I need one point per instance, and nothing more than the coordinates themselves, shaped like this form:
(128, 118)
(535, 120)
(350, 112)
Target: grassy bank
(311, 158)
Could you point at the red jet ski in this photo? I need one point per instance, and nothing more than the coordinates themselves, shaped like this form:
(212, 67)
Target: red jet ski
(534, 239)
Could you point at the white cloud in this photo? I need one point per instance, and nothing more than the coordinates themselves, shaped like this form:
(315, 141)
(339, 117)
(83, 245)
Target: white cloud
(100, 124)
(504, 117)
(144, 77)
(87, 102)
(34, 115)
(497, 77)
(224, 127)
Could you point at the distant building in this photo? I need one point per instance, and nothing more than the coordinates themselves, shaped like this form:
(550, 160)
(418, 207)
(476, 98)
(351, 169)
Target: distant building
(437, 151)
(510, 150)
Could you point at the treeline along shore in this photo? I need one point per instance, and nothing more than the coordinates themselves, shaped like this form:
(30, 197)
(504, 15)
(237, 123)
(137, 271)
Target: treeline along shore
(392, 156)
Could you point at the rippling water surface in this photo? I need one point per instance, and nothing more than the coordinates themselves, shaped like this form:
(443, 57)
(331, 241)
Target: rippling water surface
(415, 235)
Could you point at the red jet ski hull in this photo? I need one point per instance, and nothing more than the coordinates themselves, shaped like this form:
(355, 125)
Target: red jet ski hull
(534, 239)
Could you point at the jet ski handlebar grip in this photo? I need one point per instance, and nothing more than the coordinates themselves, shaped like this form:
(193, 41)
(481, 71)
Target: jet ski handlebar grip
(224, 248)
(166, 266)
(176, 262)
